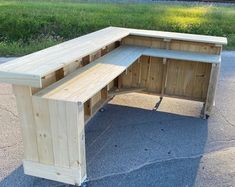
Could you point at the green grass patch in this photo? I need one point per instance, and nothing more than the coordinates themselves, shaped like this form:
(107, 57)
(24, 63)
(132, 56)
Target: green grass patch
(27, 26)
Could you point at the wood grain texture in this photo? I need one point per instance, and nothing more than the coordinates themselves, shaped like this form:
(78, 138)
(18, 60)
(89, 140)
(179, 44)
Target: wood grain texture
(28, 127)
(187, 79)
(60, 174)
(43, 130)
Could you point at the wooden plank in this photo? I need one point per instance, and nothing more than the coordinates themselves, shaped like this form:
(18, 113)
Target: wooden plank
(179, 36)
(182, 55)
(28, 126)
(75, 129)
(212, 88)
(145, 63)
(144, 41)
(58, 123)
(201, 80)
(124, 91)
(93, 77)
(193, 47)
(17, 78)
(43, 126)
(127, 77)
(60, 174)
(135, 74)
(164, 76)
(154, 83)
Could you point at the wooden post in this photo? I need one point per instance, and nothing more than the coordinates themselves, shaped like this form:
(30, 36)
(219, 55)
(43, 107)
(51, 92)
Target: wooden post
(215, 68)
(28, 128)
(164, 77)
(60, 141)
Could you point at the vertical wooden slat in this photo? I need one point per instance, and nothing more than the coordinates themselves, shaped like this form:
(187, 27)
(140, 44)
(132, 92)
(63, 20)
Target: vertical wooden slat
(154, 83)
(58, 121)
(164, 76)
(144, 70)
(76, 137)
(212, 88)
(28, 127)
(44, 137)
(135, 74)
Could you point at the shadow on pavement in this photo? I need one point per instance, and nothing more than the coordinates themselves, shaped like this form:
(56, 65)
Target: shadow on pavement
(128, 146)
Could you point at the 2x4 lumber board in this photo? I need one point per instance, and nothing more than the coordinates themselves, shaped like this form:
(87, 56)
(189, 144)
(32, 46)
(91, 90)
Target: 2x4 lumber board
(60, 174)
(179, 36)
(86, 82)
(43, 131)
(212, 88)
(28, 128)
(60, 133)
(182, 55)
(29, 69)
(124, 91)
(20, 78)
(67, 126)
(164, 76)
(194, 47)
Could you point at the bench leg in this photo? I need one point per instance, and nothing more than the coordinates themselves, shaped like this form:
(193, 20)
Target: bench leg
(61, 141)
(210, 100)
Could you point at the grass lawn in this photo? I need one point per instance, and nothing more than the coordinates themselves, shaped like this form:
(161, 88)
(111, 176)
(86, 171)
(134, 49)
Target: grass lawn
(27, 26)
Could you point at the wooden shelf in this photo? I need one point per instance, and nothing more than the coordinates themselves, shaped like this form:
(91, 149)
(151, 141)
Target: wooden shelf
(182, 55)
(87, 81)
(84, 83)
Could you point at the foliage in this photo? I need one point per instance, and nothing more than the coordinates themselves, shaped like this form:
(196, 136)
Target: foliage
(27, 25)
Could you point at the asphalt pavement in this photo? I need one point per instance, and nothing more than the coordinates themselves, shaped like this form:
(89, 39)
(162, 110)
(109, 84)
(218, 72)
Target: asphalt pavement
(134, 143)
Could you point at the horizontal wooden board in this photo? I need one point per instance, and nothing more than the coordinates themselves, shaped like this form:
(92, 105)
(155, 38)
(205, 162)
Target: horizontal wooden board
(179, 36)
(60, 174)
(182, 55)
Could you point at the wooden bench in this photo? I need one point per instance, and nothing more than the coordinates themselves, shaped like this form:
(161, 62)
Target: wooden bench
(60, 88)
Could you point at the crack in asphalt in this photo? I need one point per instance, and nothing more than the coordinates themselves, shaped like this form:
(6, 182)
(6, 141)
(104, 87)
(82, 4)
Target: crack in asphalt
(3, 108)
(157, 161)
(224, 117)
(8, 146)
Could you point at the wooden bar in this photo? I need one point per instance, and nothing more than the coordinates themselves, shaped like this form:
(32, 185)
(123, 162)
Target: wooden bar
(59, 89)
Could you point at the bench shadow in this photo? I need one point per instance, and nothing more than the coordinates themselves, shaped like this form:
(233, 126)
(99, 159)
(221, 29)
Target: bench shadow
(127, 146)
